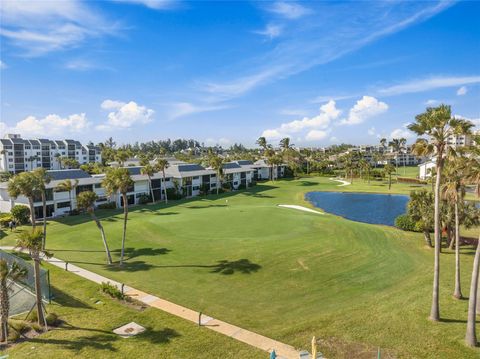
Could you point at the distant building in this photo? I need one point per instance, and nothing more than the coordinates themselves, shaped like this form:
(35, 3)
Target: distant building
(20, 155)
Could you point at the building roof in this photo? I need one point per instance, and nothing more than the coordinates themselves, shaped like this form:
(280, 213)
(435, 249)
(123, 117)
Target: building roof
(187, 170)
(60, 175)
(244, 162)
(5, 141)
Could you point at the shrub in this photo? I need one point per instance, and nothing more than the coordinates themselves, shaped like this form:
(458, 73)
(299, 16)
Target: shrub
(5, 219)
(32, 317)
(406, 223)
(144, 199)
(173, 194)
(21, 213)
(18, 325)
(74, 212)
(410, 180)
(111, 290)
(242, 186)
(108, 205)
(52, 319)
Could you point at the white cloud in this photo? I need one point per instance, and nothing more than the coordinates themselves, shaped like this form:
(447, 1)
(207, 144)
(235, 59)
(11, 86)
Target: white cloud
(475, 121)
(222, 141)
(432, 102)
(328, 112)
(271, 31)
(364, 109)
(125, 115)
(289, 10)
(152, 4)
(40, 27)
(292, 112)
(51, 125)
(316, 135)
(371, 131)
(401, 133)
(427, 84)
(462, 91)
(3, 65)
(181, 109)
(333, 139)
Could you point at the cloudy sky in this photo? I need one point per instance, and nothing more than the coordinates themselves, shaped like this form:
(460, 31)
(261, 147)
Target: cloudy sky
(224, 72)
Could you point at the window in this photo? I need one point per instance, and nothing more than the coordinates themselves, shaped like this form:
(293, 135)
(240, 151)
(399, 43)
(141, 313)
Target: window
(196, 188)
(98, 185)
(63, 204)
(196, 177)
(28, 147)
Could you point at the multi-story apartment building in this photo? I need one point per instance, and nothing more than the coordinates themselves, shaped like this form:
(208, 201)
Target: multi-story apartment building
(186, 179)
(19, 155)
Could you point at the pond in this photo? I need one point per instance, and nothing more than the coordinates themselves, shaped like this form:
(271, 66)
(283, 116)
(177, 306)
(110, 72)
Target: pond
(361, 207)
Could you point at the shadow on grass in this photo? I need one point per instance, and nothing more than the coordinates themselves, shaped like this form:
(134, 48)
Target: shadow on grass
(67, 300)
(307, 183)
(207, 206)
(224, 267)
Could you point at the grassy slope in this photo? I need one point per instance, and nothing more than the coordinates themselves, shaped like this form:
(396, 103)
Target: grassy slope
(88, 332)
(306, 274)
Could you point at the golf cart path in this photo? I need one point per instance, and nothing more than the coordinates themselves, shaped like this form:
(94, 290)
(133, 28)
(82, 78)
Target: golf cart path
(343, 183)
(283, 351)
(300, 208)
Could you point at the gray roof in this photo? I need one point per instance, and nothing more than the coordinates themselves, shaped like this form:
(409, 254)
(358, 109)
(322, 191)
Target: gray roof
(189, 167)
(244, 162)
(133, 171)
(44, 140)
(60, 175)
(18, 141)
(34, 142)
(230, 165)
(5, 141)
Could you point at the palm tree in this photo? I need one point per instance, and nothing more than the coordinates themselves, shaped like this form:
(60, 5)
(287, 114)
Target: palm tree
(473, 175)
(121, 156)
(149, 171)
(216, 163)
(32, 242)
(453, 191)
(43, 180)
(161, 165)
(68, 186)
(285, 143)
(25, 184)
(438, 123)
(420, 209)
(269, 153)
(8, 276)
(388, 169)
(119, 180)
(86, 201)
(398, 144)
(262, 142)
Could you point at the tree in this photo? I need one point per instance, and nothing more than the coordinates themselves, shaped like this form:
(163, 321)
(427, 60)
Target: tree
(388, 169)
(398, 145)
(453, 191)
(216, 163)
(67, 186)
(438, 123)
(119, 180)
(161, 165)
(43, 180)
(420, 209)
(32, 243)
(121, 156)
(285, 143)
(25, 184)
(149, 171)
(262, 142)
(8, 276)
(20, 213)
(86, 201)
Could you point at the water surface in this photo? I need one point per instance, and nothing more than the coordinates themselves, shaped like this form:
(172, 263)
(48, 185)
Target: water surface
(361, 207)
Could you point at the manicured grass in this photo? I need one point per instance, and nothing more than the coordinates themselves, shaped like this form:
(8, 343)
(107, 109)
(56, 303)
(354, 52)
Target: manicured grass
(87, 332)
(284, 273)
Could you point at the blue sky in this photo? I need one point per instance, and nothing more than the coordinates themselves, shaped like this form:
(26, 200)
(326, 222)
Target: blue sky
(223, 72)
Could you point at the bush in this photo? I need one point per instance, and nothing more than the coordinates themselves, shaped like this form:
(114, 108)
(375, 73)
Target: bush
(406, 223)
(108, 205)
(172, 194)
(5, 219)
(144, 199)
(410, 180)
(52, 319)
(21, 213)
(111, 290)
(74, 212)
(242, 186)
(32, 317)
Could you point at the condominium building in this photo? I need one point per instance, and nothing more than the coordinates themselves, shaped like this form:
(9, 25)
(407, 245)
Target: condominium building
(20, 155)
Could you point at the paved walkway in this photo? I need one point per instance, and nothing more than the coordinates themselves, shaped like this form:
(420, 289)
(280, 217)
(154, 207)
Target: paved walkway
(300, 208)
(343, 183)
(259, 341)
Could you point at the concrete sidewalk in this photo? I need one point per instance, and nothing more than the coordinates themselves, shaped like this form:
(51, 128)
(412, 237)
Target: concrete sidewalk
(259, 341)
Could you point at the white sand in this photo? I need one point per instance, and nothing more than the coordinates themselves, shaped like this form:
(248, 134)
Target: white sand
(343, 183)
(300, 208)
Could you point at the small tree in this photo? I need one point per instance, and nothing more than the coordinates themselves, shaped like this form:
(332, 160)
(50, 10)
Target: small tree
(8, 276)
(149, 171)
(32, 243)
(388, 169)
(20, 213)
(161, 166)
(26, 184)
(86, 201)
(420, 209)
(68, 186)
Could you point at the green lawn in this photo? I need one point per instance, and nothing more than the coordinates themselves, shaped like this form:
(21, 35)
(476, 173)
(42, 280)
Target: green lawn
(284, 273)
(88, 329)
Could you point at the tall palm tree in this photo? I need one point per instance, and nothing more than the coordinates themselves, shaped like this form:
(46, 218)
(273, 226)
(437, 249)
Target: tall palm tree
(453, 190)
(473, 176)
(119, 180)
(25, 184)
(285, 143)
(149, 171)
(438, 123)
(262, 142)
(269, 153)
(86, 201)
(398, 145)
(216, 163)
(8, 276)
(388, 169)
(32, 243)
(43, 180)
(68, 186)
(161, 165)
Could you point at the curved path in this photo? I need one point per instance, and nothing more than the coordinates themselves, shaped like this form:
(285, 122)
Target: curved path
(343, 182)
(283, 351)
(300, 208)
